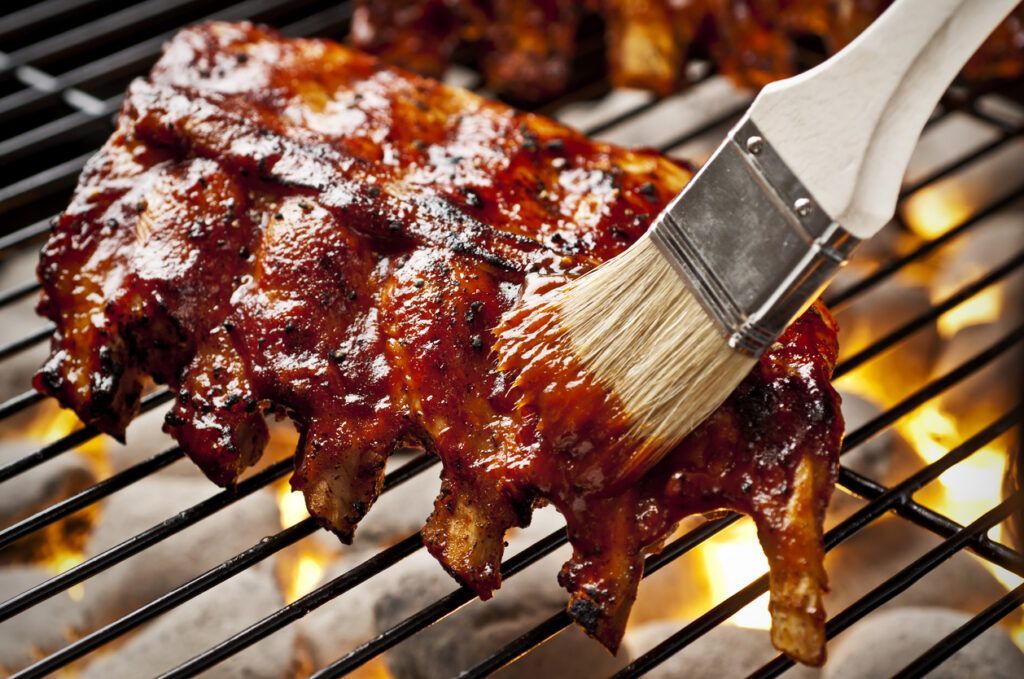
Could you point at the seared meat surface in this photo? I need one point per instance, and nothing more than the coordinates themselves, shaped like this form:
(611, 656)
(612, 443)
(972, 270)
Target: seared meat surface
(526, 47)
(290, 226)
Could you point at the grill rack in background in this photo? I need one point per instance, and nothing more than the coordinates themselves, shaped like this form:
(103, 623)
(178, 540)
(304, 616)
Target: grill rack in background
(58, 91)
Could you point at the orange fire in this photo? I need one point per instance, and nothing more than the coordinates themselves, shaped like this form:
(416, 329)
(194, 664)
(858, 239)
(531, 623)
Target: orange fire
(934, 210)
(302, 568)
(64, 540)
(51, 422)
(981, 308)
(968, 489)
(732, 560)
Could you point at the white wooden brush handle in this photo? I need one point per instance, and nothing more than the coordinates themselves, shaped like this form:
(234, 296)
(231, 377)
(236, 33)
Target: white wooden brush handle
(847, 128)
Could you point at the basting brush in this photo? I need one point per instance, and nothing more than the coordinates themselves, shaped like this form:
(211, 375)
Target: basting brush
(660, 335)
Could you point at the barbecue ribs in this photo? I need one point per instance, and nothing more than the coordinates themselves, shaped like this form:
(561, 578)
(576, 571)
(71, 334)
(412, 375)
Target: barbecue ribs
(526, 47)
(290, 226)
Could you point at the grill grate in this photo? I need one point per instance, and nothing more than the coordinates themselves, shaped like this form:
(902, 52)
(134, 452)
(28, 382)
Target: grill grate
(53, 123)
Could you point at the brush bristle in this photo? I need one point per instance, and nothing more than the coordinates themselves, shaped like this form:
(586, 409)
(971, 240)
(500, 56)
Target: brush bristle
(634, 323)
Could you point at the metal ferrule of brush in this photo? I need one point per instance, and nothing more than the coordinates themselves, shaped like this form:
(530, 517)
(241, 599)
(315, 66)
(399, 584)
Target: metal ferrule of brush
(750, 242)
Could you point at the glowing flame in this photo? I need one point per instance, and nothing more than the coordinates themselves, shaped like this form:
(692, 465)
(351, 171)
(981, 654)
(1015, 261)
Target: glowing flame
(930, 430)
(290, 505)
(302, 569)
(732, 560)
(981, 308)
(306, 575)
(968, 489)
(972, 486)
(63, 560)
(52, 422)
(933, 211)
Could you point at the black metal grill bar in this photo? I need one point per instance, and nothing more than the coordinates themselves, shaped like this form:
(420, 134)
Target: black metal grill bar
(50, 180)
(20, 402)
(213, 577)
(882, 500)
(910, 327)
(854, 439)
(80, 123)
(128, 60)
(971, 108)
(962, 162)
(325, 22)
(38, 13)
(861, 435)
(886, 271)
(18, 292)
(67, 128)
(963, 635)
(72, 440)
(23, 343)
(730, 606)
(731, 114)
(143, 540)
(929, 519)
(933, 389)
(22, 236)
(906, 577)
(90, 495)
(427, 616)
(318, 597)
(80, 38)
(625, 116)
(878, 596)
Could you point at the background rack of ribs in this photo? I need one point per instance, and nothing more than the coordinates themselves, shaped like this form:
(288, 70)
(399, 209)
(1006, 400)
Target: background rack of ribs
(923, 371)
(526, 48)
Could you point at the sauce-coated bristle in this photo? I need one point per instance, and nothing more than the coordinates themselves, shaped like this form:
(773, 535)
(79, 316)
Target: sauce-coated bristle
(635, 329)
(637, 326)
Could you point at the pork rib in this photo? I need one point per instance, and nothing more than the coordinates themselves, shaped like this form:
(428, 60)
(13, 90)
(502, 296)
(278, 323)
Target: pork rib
(291, 226)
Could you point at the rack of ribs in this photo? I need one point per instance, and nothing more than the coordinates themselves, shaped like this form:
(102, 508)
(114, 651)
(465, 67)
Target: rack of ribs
(526, 47)
(292, 227)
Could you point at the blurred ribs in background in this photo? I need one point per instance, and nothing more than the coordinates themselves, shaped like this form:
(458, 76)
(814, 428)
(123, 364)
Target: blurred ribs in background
(525, 48)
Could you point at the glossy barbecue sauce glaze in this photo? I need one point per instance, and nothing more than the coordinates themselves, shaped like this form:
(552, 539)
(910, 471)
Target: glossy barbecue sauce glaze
(289, 227)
